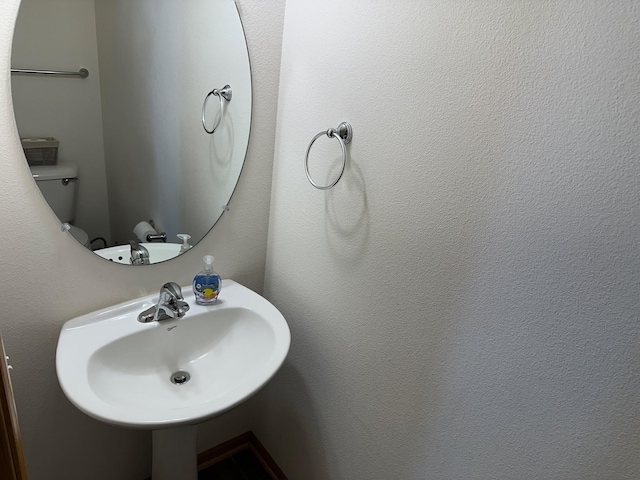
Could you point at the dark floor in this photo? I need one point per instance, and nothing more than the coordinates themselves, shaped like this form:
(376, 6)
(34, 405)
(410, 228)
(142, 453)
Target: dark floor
(242, 466)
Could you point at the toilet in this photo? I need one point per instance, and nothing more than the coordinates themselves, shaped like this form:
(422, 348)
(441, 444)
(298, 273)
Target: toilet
(58, 184)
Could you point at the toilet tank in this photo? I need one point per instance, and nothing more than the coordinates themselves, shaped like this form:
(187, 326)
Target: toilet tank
(58, 184)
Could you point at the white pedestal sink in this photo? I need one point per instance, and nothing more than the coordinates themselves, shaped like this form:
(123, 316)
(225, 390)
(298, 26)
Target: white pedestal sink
(158, 252)
(118, 370)
(174, 454)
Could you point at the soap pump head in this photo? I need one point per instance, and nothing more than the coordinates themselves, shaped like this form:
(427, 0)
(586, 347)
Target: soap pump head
(185, 242)
(208, 263)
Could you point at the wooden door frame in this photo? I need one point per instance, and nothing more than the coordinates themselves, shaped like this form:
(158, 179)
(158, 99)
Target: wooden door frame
(12, 464)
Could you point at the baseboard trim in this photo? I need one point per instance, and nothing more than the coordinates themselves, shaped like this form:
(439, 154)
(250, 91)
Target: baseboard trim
(246, 441)
(242, 442)
(267, 461)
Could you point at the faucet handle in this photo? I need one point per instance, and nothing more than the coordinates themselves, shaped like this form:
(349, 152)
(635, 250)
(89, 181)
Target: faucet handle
(173, 290)
(171, 302)
(170, 305)
(139, 254)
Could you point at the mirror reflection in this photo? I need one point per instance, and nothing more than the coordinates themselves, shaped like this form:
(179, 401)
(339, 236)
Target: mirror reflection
(122, 155)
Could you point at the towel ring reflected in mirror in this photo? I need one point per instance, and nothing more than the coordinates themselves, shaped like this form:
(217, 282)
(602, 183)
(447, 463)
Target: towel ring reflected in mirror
(223, 94)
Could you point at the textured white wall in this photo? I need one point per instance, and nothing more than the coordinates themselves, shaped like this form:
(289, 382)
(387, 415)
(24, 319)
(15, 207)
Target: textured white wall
(464, 304)
(161, 164)
(61, 35)
(47, 278)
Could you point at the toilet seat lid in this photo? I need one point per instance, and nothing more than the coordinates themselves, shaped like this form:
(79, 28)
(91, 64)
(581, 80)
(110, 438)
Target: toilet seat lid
(80, 235)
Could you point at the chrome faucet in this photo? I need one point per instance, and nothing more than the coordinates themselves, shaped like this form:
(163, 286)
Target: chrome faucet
(139, 254)
(170, 305)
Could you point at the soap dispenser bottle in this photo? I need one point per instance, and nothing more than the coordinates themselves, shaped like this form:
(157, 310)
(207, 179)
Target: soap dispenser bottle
(185, 242)
(207, 283)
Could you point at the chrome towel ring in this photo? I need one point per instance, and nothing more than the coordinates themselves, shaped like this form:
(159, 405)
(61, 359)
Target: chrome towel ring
(223, 94)
(344, 134)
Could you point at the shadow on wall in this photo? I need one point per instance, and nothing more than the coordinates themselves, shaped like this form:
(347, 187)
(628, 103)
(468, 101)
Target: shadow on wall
(365, 390)
(347, 214)
(293, 421)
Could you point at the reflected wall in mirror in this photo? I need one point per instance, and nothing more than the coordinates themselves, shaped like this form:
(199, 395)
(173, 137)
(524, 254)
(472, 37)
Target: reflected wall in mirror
(133, 129)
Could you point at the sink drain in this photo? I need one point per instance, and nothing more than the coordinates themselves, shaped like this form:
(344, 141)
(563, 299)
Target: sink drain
(180, 377)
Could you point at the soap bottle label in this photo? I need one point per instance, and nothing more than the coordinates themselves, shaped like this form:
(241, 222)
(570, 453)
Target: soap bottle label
(206, 289)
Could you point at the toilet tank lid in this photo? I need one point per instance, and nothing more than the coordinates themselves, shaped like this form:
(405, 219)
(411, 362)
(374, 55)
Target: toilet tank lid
(54, 172)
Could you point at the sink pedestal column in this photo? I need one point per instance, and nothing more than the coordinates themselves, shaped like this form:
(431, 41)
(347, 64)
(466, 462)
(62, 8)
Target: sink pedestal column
(174, 454)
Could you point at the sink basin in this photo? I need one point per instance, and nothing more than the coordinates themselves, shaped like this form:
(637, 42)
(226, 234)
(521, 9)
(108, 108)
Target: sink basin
(158, 252)
(118, 370)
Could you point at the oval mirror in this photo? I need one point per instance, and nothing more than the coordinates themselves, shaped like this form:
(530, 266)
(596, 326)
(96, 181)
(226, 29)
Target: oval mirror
(125, 154)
